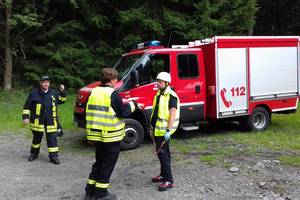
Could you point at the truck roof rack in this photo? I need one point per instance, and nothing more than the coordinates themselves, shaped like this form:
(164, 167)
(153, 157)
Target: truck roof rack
(180, 46)
(194, 43)
(201, 42)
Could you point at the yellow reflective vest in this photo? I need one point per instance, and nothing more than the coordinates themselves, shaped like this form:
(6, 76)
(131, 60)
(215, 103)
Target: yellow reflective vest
(164, 112)
(102, 124)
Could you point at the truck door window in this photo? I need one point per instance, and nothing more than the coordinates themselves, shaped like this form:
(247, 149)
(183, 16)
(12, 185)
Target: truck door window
(187, 65)
(156, 63)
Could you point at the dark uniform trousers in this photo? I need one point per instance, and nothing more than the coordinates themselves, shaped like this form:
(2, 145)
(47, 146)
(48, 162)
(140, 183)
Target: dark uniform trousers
(51, 143)
(164, 158)
(106, 158)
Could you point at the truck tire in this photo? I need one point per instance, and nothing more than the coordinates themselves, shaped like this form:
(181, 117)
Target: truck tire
(134, 134)
(259, 120)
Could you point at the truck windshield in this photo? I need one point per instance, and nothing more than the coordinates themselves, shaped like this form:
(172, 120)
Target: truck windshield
(125, 63)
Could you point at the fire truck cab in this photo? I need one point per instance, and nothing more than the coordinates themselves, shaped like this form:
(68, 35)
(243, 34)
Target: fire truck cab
(244, 79)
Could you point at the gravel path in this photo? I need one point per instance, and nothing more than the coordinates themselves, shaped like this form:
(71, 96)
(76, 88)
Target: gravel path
(256, 178)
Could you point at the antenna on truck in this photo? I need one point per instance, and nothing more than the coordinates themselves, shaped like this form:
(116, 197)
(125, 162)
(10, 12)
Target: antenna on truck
(170, 37)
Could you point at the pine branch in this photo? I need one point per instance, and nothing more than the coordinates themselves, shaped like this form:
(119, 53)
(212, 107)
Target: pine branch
(21, 45)
(44, 22)
(19, 39)
(50, 18)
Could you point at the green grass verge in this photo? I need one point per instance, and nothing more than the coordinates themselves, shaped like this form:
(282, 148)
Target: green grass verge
(11, 104)
(290, 160)
(214, 144)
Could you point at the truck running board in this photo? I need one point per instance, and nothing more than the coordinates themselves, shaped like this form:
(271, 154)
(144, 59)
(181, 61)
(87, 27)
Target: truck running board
(190, 128)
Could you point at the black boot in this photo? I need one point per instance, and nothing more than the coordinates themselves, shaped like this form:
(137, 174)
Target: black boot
(32, 157)
(55, 160)
(108, 196)
(88, 196)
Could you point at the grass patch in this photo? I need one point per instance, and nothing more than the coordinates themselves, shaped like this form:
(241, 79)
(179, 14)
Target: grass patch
(189, 147)
(214, 144)
(210, 159)
(290, 160)
(65, 112)
(11, 106)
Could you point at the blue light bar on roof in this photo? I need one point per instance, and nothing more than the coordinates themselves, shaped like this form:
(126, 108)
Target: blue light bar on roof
(148, 44)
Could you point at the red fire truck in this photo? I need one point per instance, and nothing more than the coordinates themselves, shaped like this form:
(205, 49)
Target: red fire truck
(243, 79)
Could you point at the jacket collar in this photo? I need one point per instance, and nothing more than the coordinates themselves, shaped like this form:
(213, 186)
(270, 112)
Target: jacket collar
(43, 92)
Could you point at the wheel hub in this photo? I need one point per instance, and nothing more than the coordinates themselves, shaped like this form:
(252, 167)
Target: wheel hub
(259, 120)
(130, 135)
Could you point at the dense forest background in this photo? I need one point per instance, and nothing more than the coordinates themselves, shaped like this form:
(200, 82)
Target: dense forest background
(71, 40)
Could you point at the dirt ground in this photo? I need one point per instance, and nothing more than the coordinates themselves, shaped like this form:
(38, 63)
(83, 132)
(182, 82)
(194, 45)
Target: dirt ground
(256, 178)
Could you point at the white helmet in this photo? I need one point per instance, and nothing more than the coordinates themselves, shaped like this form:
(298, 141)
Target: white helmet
(164, 76)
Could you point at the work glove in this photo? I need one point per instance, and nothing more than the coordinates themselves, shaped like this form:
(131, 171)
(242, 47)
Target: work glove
(137, 106)
(133, 105)
(167, 136)
(59, 131)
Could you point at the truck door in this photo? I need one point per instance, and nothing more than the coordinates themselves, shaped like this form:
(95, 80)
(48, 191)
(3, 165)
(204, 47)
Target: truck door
(232, 82)
(189, 84)
(145, 89)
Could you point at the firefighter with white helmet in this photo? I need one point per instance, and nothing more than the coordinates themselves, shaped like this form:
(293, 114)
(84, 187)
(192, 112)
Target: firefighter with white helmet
(164, 122)
(164, 76)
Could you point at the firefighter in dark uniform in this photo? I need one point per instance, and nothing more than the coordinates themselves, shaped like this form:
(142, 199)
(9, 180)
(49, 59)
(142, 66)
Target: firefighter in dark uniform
(164, 122)
(40, 111)
(105, 129)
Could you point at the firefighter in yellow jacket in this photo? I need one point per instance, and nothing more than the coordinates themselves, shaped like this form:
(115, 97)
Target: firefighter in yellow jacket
(105, 129)
(40, 111)
(164, 122)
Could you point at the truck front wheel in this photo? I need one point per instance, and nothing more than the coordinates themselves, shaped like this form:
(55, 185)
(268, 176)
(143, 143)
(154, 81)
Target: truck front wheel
(134, 134)
(259, 120)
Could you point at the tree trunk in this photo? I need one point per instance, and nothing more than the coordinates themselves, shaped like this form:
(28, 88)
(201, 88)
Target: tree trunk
(7, 79)
(155, 9)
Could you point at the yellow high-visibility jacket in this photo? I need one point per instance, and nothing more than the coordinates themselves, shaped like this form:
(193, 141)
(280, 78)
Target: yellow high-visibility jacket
(164, 112)
(102, 123)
